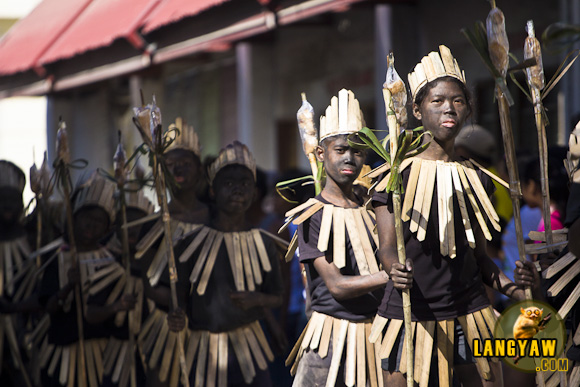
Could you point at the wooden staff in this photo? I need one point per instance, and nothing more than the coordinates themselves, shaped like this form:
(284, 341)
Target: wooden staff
(536, 82)
(121, 172)
(148, 121)
(393, 124)
(309, 137)
(41, 185)
(512, 167)
(498, 47)
(160, 188)
(62, 164)
(36, 188)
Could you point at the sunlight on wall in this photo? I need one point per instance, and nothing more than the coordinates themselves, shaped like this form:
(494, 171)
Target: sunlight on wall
(22, 132)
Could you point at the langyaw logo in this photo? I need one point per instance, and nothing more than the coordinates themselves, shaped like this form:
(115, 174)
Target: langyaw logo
(529, 336)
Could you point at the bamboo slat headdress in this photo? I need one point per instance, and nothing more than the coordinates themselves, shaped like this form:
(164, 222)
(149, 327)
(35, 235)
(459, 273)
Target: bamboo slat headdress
(435, 65)
(96, 191)
(187, 138)
(139, 201)
(11, 176)
(342, 116)
(235, 153)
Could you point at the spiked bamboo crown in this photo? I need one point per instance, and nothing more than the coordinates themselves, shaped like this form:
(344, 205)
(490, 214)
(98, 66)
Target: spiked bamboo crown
(11, 176)
(235, 153)
(187, 139)
(435, 65)
(139, 201)
(96, 191)
(343, 116)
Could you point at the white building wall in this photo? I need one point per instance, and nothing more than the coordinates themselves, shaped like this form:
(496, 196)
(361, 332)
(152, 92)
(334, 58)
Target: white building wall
(22, 119)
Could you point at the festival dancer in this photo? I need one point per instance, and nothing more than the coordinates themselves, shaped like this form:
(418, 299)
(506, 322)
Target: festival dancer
(116, 300)
(188, 214)
(234, 279)
(93, 216)
(337, 246)
(14, 252)
(445, 209)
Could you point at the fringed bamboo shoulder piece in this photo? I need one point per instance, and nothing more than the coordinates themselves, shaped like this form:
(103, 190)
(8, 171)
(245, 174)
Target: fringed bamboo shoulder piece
(363, 364)
(454, 179)
(89, 263)
(430, 336)
(247, 255)
(180, 230)
(357, 223)
(13, 262)
(117, 352)
(62, 360)
(566, 269)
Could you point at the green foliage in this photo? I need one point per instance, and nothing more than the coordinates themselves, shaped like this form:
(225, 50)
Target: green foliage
(559, 36)
(409, 144)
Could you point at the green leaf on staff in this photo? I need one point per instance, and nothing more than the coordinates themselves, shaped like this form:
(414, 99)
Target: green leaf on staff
(560, 36)
(288, 185)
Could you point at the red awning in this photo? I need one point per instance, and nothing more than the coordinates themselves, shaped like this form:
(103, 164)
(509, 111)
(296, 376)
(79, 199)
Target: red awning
(29, 39)
(101, 23)
(60, 29)
(170, 11)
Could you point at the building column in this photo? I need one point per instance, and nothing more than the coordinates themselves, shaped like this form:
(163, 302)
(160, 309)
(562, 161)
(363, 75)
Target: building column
(255, 105)
(244, 90)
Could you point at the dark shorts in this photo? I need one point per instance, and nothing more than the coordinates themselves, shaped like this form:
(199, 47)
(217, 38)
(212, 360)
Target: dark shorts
(461, 351)
(313, 370)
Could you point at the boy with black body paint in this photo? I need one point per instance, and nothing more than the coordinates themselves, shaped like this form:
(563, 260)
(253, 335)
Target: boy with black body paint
(188, 212)
(235, 280)
(14, 251)
(117, 300)
(343, 277)
(93, 216)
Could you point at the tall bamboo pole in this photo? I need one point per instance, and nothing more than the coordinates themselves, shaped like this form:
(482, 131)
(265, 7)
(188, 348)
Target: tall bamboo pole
(498, 51)
(120, 176)
(401, 253)
(160, 188)
(536, 82)
(127, 263)
(41, 185)
(148, 121)
(512, 167)
(63, 163)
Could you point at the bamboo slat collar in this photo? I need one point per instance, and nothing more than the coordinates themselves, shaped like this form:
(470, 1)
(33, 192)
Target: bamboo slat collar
(179, 231)
(457, 180)
(246, 251)
(89, 263)
(13, 259)
(357, 223)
